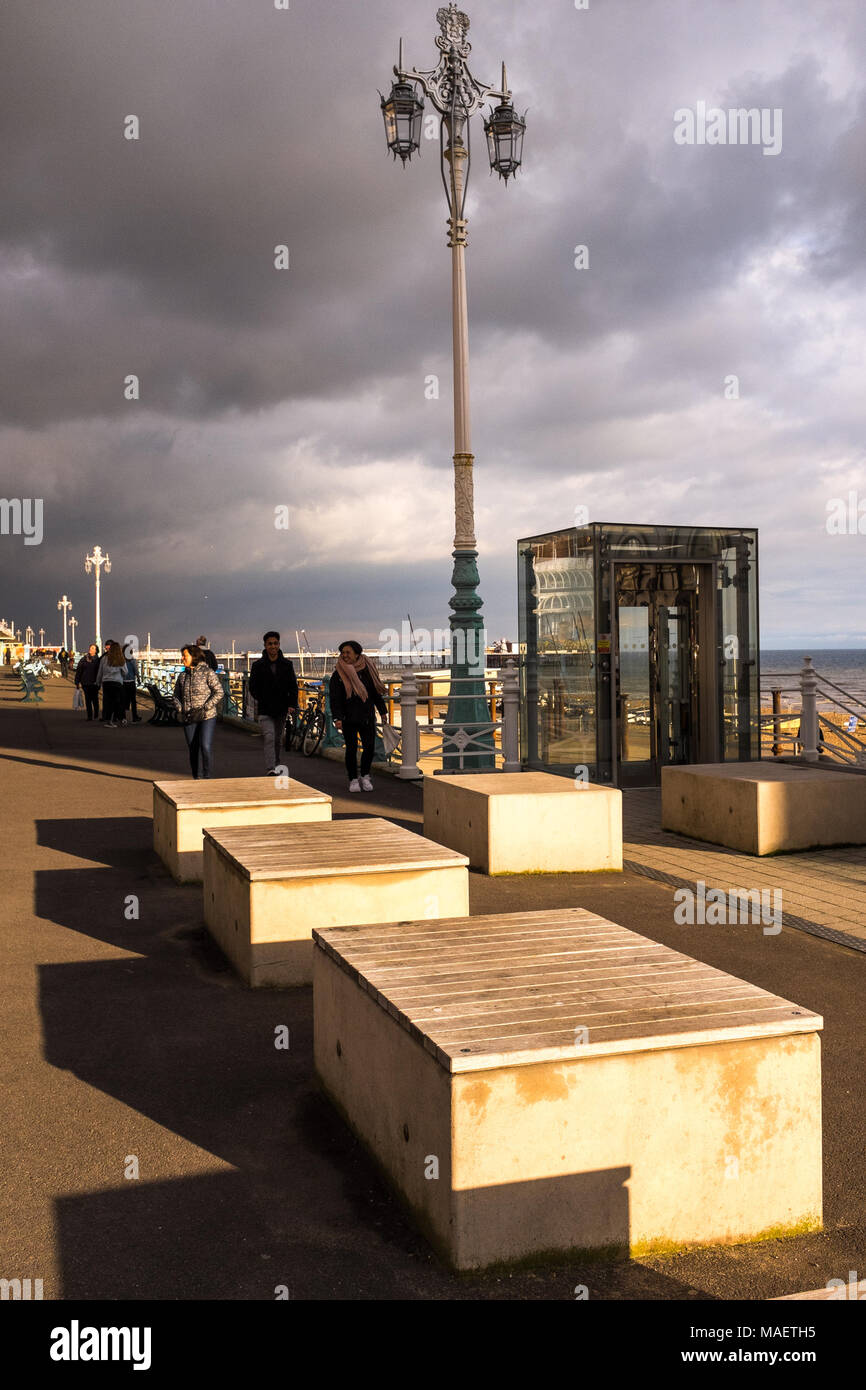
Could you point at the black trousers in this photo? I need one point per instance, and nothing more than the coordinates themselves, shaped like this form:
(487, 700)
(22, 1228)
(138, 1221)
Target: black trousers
(91, 700)
(112, 701)
(367, 734)
(130, 707)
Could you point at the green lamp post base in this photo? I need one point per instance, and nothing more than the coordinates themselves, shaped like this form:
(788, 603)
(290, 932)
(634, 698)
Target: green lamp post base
(468, 719)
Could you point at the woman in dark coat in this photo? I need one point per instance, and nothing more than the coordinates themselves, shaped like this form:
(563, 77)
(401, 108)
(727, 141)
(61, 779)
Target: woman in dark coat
(356, 692)
(85, 679)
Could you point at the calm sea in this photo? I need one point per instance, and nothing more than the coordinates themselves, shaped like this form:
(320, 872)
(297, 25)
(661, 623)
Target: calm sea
(847, 667)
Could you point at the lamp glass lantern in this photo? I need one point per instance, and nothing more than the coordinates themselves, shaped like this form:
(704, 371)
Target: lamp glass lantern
(402, 112)
(505, 130)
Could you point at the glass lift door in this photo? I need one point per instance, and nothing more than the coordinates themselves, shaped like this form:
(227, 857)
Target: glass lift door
(674, 683)
(656, 696)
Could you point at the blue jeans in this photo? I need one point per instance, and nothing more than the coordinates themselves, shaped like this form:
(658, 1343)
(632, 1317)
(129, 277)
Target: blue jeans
(199, 739)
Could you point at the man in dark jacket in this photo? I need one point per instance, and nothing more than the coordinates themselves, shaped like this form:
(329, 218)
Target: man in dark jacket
(274, 687)
(85, 679)
(206, 652)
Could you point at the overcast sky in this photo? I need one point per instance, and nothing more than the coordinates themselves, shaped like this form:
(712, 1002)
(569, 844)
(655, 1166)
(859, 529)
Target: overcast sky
(603, 387)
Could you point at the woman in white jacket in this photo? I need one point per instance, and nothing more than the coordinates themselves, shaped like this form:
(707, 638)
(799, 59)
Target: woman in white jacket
(198, 695)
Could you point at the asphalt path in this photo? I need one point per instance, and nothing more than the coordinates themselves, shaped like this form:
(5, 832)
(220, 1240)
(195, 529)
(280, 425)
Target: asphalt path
(156, 1145)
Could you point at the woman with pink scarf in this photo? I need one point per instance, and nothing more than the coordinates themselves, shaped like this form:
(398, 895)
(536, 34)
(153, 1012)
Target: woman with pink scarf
(356, 693)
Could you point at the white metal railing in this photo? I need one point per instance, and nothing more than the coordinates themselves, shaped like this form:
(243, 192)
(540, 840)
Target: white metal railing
(818, 734)
(468, 743)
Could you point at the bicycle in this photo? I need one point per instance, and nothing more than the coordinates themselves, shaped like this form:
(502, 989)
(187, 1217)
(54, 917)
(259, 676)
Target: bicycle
(307, 728)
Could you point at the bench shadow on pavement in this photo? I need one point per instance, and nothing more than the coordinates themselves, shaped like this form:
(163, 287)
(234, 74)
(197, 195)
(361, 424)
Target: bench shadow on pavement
(120, 841)
(306, 1208)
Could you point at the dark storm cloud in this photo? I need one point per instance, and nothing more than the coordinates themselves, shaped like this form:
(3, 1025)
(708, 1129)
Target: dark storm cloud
(260, 386)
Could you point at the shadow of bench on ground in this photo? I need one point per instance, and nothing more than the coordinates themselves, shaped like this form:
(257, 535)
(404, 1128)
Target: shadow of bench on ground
(202, 1064)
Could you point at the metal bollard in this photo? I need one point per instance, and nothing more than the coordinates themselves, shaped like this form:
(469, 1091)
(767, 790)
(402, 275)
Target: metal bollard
(510, 717)
(409, 768)
(777, 722)
(809, 712)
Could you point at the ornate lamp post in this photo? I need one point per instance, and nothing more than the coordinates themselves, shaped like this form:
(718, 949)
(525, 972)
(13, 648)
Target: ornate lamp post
(456, 95)
(96, 562)
(29, 635)
(73, 624)
(65, 604)
(42, 637)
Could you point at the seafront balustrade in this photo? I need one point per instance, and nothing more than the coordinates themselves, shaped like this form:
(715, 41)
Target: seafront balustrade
(804, 714)
(417, 705)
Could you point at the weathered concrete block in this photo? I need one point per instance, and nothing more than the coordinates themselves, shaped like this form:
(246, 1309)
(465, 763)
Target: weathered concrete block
(525, 822)
(549, 1081)
(764, 807)
(182, 811)
(266, 888)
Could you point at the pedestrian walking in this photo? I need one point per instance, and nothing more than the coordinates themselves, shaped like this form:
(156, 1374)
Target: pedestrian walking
(207, 653)
(85, 680)
(274, 687)
(63, 658)
(356, 692)
(197, 696)
(109, 676)
(130, 682)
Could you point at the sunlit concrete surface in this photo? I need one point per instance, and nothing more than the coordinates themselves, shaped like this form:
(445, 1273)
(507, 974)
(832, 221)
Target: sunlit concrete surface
(765, 807)
(525, 822)
(267, 887)
(182, 811)
(549, 1082)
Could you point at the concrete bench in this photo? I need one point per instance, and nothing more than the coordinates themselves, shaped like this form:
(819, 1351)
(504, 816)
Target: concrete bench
(762, 808)
(548, 1082)
(182, 811)
(525, 822)
(266, 888)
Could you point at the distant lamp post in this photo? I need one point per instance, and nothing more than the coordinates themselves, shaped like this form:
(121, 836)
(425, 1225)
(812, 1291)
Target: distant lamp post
(42, 637)
(456, 95)
(73, 624)
(29, 636)
(65, 604)
(96, 561)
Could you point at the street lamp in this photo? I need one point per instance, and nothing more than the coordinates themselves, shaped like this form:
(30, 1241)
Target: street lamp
(96, 562)
(456, 95)
(29, 635)
(65, 604)
(42, 637)
(73, 624)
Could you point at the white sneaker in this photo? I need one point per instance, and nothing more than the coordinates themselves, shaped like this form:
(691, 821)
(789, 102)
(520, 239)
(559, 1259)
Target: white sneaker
(366, 784)
(354, 785)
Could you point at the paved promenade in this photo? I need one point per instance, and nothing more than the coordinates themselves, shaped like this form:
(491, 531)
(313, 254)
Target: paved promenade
(823, 891)
(131, 1048)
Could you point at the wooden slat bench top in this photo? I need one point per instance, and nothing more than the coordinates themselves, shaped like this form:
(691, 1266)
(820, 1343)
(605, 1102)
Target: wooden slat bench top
(761, 772)
(204, 794)
(510, 990)
(327, 848)
(522, 784)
